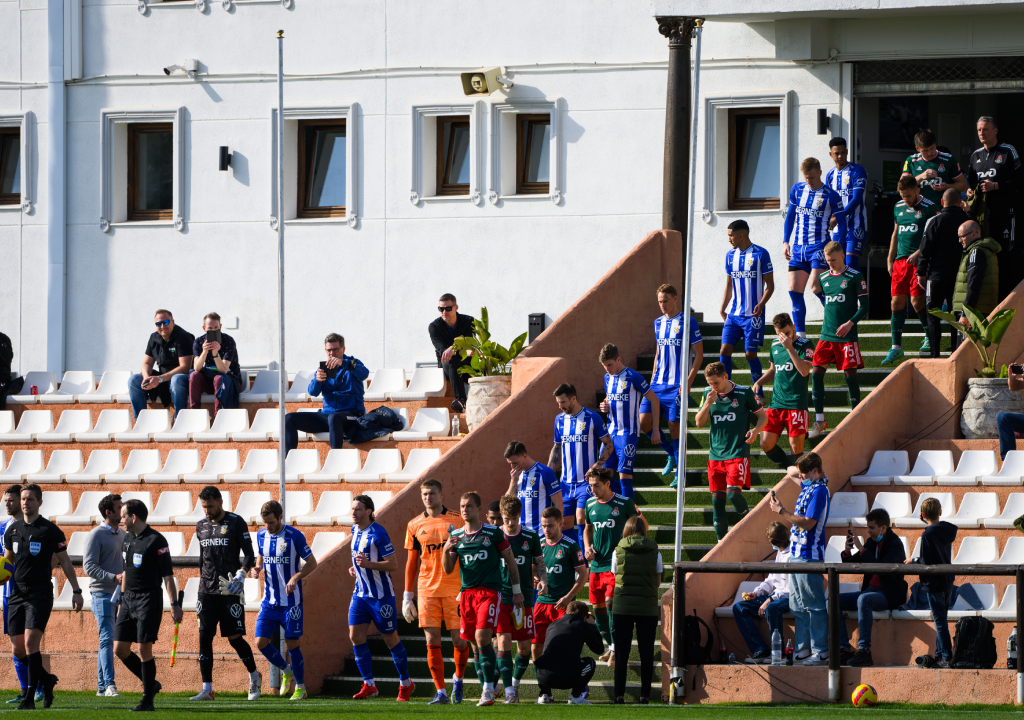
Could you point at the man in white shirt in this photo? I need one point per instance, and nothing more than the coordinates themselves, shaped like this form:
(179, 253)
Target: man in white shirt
(769, 600)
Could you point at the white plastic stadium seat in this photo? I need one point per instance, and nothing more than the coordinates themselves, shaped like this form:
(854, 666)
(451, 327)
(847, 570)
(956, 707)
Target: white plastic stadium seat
(250, 503)
(23, 462)
(113, 388)
(834, 548)
(897, 504)
(176, 543)
(169, 504)
(1007, 610)
(224, 423)
(265, 384)
(1012, 509)
(428, 423)
(986, 593)
(149, 423)
(379, 462)
(6, 421)
(885, 465)
(384, 383)
(32, 423)
(197, 513)
(1011, 473)
(426, 383)
(338, 464)
(63, 601)
(69, 424)
(945, 500)
(109, 423)
(193, 547)
(972, 466)
(3, 465)
(45, 382)
(332, 504)
(55, 503)
(257, 464)
(296, 503)
(324, 542)
(187, 423)
(73, 384)
(139, 463)
(297, 391)
(976, 550)
(86, 511)
(745, 586)
(61, 463)
(300, 463)
(188, 602)
(1013, 552)
(179, 462)
(845, 506)
(77, 542)
(146, 496)
(975, 507)
(418, 460)
(266, 425)
(218, 463)
(928, 465)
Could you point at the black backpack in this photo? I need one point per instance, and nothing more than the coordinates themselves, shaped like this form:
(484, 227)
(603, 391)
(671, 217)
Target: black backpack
(696, 653)
(6, 355)
(973, 645)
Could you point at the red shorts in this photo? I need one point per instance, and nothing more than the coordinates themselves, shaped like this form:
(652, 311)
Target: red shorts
(729, 473)
(846, 355)
(544, 615)
(602, 586)
(506, 623)
(794, 422)
(904, 279)
(478, 610)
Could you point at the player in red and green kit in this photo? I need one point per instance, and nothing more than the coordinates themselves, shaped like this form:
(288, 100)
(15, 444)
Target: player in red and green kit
(790, 366)
(846, 304)
(934, 170)
(729, 408)
(478, 549)
(567, 574)
(607, 513)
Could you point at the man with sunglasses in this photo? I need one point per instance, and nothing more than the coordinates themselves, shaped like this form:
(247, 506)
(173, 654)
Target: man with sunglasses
(443, 332)
(165, 367)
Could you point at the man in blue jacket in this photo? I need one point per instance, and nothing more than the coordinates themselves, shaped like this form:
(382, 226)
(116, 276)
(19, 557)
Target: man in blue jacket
(340, 379)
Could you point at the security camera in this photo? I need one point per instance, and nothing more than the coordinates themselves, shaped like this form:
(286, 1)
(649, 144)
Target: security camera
(190, 67)
(171, 68)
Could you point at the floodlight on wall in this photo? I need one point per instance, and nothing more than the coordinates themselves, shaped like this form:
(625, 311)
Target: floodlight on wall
(823, 121)
(225, 158)
(190, 67)
(483, 81)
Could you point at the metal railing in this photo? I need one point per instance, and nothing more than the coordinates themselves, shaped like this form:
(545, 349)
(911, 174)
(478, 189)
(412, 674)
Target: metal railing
(835, 615)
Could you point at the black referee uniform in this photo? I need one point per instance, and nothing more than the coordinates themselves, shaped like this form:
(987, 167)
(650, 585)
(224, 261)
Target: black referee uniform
(1002, 165)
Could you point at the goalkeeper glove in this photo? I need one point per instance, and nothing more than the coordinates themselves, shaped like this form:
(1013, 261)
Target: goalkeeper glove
(409, 608)
(234, 586)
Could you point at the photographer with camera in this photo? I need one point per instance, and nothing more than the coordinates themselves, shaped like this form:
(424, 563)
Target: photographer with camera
(215, 367)
(1008, 423)
(340, 380)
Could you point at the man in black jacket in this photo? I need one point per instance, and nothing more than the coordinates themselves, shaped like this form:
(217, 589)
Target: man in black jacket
(937, 549)
(877, 592)
(443, 332)
(939, 261)
(560, 666)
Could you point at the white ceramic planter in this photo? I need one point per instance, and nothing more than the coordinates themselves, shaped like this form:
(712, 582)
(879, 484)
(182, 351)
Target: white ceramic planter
(484, 396)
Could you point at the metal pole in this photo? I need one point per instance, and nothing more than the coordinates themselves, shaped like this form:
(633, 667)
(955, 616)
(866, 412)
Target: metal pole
(282, 381)
(1020, 626)
(835, 616)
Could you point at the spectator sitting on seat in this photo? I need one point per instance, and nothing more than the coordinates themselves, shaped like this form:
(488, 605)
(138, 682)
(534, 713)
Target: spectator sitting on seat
(877, 592)
(937, 549)
(342, 387)
(215, 368)
(769, 600)
(443, 333)
(1010, 423)
(165, 367)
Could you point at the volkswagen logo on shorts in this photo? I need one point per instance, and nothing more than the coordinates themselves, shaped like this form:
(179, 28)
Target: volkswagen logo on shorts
(236, 611)
(756, 322)
(199, 607)
(295, 613)
(387, 611)
(630, 450)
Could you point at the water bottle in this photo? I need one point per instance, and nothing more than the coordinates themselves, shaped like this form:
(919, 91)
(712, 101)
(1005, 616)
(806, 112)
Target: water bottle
(455, 425)
(1011, 650)
(776, 648)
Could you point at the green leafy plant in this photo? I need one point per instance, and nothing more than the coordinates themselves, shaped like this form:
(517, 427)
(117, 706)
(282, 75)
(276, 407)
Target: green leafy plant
(983, 334)
(487, 357)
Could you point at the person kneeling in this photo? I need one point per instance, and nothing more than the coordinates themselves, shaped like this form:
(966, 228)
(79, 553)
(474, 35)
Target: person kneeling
(769, 600)
(560, 666)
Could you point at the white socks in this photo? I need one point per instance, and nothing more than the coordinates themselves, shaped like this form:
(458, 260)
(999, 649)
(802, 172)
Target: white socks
(819, 417)
(208, 687)
(254, 676)
(405, 683)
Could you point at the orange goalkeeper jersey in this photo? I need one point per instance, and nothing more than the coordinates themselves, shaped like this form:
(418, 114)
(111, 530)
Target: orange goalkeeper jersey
(427, 535)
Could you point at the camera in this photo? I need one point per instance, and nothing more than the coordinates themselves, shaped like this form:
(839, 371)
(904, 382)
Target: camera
(925, 661)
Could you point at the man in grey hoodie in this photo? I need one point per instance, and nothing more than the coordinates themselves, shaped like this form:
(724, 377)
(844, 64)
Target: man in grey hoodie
(103, 563)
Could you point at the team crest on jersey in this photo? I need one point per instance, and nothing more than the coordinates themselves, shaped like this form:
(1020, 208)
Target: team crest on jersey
(622, 386)
(526, 545)
(735, 403)
(615, 511)
(487, 542)
(818, 202)
(559, 554)
(942, 168)
(843, 284)
(918, 215)
(999, 158)
(223, 529)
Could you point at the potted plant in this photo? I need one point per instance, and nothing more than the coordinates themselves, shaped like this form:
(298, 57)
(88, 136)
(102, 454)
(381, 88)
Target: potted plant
(988, 394)
(489, 369)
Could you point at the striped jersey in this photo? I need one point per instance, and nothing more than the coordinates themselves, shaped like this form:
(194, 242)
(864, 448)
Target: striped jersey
(747, 269)
(668, 365)
(813, 502)
(9, 585)
(850, 179)
(535, 488)
(281, 555)
(811, 210)
(580, 437)
(624, 391)
(372, 541)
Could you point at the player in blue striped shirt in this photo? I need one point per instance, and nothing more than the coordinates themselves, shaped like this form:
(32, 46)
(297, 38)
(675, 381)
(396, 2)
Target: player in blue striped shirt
(12, 503)
(579, 432)
(749, 285)
(624, 389)
(534, 483)
(280, 551)
(850, 180)
(812, 204)
(373, 599)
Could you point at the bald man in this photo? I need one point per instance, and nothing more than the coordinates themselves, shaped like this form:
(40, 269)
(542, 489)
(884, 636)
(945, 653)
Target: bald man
(939, 262)
(977, 280)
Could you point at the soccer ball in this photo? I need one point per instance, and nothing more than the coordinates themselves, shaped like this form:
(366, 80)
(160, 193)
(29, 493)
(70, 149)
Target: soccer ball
(6, 569)
(865, 696)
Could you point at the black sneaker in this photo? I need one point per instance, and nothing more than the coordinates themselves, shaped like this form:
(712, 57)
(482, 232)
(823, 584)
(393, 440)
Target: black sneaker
(29, 703)
(458, 407)
(146, 705)
(861, 659)
(620, 701)
(759, 657)
(845, 655)
(48, 684)
(941, 662)
(645, 701)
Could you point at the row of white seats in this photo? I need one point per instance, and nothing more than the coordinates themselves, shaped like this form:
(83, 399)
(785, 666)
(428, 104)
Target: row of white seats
(190, 426)
(1005, 611)
(80, 386)
(222, 465)
(334, 507)
(977, 509)
(323, 542)
(973, 550)
(935, 467)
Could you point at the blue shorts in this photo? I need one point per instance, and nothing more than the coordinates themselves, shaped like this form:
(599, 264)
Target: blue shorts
(668, 396)
(270, 620)
(382, 613)
(806, 257)
(575, 497)
(751, 329)
(854, 242)
(625, 454)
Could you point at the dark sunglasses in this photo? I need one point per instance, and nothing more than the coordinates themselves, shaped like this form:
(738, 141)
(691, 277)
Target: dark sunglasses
(162, 323)
(443, 309)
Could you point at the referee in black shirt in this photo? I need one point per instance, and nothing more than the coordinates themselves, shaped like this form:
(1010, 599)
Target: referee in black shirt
(31, 544)
(147, 564)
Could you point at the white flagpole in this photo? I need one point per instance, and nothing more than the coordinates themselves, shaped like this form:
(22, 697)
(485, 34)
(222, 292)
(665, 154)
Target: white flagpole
(282, 384)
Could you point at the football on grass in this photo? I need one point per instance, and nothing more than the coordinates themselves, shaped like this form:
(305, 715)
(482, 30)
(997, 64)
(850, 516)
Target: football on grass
(864, 696)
